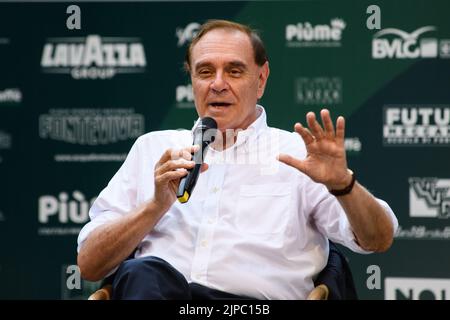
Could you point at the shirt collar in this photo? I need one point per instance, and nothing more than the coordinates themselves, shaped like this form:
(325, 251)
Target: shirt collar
(252, 131)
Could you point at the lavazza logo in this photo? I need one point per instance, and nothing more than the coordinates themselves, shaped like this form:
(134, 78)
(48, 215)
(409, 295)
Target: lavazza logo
(184, 97)
(186, 34)
(416, 289)
(394, 43)
(63, 214)
(321, 35)
(424, 125)
(91, 126)
(93, 57)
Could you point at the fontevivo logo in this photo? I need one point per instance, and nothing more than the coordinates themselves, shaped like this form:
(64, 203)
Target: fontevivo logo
(395, 43)
(321, 35)
(93, 57)
(91, 126)
(416, 289)
(429, 198)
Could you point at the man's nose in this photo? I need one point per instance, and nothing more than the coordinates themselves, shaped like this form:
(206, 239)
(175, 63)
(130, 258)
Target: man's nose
(219, 83)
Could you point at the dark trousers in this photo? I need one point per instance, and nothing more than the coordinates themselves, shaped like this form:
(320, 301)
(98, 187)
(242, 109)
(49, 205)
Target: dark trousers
(152, 278)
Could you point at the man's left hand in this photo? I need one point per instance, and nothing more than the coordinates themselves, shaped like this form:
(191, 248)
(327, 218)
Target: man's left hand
(325, 161)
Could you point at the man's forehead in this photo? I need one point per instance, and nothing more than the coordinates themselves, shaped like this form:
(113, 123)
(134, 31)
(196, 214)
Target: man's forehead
(223, 44)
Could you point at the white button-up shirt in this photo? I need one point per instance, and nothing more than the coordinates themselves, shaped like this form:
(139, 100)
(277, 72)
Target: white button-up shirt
(253, 225)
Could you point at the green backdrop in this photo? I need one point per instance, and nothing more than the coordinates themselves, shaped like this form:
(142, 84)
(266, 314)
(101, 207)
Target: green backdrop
(72, 102)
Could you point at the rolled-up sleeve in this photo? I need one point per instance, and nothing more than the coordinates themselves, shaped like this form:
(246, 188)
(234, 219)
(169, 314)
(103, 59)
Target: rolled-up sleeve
(330, 218)
(117, 199)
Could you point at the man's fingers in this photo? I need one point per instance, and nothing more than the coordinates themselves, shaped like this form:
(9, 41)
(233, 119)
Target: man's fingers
(340, 129)
(185, 153)
(327, 123)
(174, 154)
(304, 133)
(170, 175)
(167, 155)
(291, 161)
(173, 165)
(314, 126)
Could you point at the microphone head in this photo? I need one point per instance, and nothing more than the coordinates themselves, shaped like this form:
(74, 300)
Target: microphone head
(205, 132)
(208, 123)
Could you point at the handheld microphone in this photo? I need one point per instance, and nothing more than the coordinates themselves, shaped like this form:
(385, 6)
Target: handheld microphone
(187, 183)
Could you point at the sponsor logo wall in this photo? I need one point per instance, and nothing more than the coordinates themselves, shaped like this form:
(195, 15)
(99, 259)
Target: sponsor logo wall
(73, 102)
(63, 214)
(417, 289)
(93, 57)
(404, 45)
(417, 125)
(184, 96)
(187, 33)
(305, 34)
(91, 127)
(321, 91)
(10, 96)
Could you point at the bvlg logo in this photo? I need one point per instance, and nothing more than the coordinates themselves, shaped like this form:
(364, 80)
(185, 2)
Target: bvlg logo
(392, 43)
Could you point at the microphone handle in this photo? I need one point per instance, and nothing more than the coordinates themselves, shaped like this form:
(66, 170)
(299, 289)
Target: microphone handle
(187, 183)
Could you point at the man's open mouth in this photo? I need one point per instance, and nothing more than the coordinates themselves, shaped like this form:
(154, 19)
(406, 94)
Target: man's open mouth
(220, 104)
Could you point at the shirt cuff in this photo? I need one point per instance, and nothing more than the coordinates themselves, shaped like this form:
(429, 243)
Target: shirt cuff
(100, 220)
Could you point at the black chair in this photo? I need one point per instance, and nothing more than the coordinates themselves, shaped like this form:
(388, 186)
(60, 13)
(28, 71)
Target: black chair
(334, 282)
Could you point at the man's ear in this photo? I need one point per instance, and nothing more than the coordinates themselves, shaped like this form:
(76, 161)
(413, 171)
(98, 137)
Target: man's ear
(262, 80)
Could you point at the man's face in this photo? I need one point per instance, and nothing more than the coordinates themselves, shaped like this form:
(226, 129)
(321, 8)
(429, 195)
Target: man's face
(226, 80)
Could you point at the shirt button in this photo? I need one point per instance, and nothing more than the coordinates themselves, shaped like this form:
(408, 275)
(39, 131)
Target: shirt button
(215, 190)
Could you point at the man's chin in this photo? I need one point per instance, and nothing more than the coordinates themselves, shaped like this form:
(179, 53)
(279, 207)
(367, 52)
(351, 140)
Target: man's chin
(222, 122)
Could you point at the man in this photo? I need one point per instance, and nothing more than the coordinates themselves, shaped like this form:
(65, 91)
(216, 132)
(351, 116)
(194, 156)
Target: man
(256, 230)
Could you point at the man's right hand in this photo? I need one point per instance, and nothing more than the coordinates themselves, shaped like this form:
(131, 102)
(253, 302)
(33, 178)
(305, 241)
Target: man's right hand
(169, 170)
(108, 245)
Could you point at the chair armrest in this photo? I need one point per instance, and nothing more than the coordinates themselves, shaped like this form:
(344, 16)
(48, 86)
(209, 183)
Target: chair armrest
(319, 293)
(103, 293)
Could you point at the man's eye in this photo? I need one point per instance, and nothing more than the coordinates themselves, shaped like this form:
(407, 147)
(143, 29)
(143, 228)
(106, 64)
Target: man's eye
(204, 73)
(236, 72)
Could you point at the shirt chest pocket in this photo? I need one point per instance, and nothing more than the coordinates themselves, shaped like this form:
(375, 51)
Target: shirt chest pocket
(263, 209)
